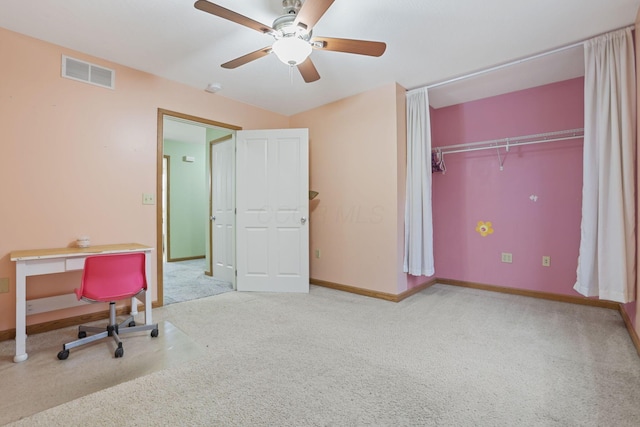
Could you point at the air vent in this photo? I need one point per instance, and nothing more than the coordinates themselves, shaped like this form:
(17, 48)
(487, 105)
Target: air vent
(89, 73)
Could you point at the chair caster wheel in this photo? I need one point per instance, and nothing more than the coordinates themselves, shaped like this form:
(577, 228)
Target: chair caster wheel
(132, 323)
(82, 334)
(63, 354)
(119, 352)
(154, 333)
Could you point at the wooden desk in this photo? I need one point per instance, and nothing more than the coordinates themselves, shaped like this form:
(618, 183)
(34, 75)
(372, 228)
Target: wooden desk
(49, 261)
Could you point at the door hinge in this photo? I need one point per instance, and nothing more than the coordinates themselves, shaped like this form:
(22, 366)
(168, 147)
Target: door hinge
(236, 273)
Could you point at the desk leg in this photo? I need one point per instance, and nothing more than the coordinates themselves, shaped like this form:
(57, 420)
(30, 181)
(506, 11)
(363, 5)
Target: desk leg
(21, 312)
(148, 298)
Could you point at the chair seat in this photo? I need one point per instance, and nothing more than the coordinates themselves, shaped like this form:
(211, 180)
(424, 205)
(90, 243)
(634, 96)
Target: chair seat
(93, 297)
(110, 278)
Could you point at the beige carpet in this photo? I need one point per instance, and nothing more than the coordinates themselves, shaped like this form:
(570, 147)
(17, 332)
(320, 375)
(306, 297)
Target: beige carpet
(444, 357)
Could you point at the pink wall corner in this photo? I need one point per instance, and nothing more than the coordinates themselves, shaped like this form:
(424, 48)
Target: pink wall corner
(353, 165)
(474, 189)
(76, 158)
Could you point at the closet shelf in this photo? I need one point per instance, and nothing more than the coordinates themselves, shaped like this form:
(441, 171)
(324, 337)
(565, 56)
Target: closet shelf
(512, 142)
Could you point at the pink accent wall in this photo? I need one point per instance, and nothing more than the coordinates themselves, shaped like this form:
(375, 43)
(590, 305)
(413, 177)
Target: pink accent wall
(474, 189)
(76, 158)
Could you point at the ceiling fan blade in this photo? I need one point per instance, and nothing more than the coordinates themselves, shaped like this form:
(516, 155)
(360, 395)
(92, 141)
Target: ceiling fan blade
(235, 63)
(308, 71)
(232, 16)
(311, 12)
(361, 47)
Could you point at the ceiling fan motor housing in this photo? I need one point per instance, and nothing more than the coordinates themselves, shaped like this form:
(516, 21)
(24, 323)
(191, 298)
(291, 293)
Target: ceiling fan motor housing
(285, 28)
(291, 7)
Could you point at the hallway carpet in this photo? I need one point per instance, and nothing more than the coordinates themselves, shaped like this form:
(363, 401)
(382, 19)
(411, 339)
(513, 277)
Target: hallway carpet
(186, 280)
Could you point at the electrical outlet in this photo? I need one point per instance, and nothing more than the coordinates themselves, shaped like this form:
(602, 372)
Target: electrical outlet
(317, 253)
(148, 199)
(507, 257)
(546, 261)
(4, 285)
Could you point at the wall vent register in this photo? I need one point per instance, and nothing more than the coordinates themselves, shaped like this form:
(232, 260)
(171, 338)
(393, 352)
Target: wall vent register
(76, 69)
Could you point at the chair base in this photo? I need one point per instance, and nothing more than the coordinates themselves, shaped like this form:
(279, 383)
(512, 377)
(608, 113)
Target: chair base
(113, 329)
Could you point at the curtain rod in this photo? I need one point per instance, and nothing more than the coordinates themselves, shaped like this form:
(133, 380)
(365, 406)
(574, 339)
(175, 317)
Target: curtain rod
(516, 62)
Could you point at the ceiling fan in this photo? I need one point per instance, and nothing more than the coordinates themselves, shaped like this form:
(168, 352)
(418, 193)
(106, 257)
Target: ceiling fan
(293, 35)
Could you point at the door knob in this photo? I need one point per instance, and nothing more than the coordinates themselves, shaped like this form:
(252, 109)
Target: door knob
(303, 220)
(213, 218)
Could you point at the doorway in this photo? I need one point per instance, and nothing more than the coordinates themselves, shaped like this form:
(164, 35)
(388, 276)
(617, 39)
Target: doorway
(184, 230)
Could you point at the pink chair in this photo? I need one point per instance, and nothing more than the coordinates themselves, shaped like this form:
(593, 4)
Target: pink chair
(109, 278)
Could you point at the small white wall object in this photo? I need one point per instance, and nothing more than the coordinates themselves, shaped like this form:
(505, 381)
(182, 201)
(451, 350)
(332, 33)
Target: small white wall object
(188, 159)
(83, 242)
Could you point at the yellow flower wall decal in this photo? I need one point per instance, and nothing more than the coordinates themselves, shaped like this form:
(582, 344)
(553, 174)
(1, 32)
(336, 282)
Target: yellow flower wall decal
(484, 228)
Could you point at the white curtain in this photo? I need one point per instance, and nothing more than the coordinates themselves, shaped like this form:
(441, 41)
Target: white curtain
(418, 222)
(606, 265)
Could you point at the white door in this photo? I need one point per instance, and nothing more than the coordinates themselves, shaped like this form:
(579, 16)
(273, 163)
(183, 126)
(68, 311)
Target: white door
(272, 179)
(222, 208)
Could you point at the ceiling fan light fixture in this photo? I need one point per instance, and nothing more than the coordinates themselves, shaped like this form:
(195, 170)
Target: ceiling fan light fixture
(292, 50)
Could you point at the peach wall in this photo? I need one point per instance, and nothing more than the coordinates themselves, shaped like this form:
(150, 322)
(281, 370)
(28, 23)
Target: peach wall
(76, 158)
(355, 165)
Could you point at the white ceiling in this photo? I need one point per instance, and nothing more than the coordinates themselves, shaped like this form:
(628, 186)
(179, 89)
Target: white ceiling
(427, 42)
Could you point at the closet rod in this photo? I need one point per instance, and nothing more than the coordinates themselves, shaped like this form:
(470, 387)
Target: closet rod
(516, 62)
(512, 142)
(505, 145)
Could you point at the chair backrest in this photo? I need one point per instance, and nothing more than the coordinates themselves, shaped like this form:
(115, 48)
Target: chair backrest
(113, 277)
